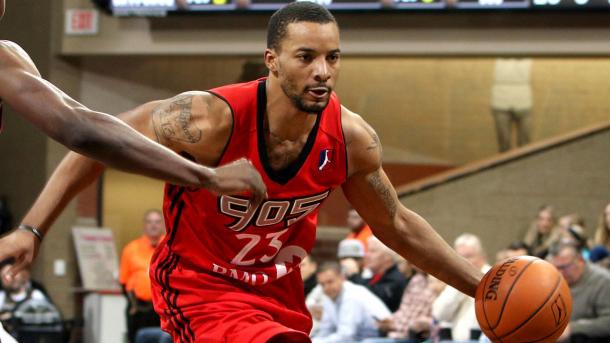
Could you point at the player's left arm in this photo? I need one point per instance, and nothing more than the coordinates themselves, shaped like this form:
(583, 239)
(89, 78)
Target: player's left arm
(373, 196)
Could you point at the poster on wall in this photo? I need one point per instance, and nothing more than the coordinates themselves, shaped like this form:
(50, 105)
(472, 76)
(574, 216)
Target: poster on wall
(97, 258)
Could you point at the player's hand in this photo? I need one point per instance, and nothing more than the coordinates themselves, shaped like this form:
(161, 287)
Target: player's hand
(239, 177)
(20, 248)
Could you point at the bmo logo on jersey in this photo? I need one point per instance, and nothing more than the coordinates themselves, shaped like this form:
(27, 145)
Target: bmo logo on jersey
(270, 212)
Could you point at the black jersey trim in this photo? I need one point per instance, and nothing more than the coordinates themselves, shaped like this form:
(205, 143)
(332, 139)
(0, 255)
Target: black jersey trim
(282, 176)
(180, 322)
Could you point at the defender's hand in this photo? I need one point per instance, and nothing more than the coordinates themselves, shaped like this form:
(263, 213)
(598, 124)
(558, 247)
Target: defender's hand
(20, 247)
(239, 177)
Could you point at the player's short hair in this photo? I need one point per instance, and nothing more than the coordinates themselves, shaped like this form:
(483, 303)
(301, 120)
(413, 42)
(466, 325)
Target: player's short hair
(293, 13)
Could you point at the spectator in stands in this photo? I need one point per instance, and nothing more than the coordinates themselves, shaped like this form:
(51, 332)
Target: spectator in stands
(135, 280)
(590, 288)
(517, 248)
(359, 229)
(568, 220)
(406, 268)
(309, 265)
(351, 258)
(349, 310)
(602, 234)
(453, 309)
(575, 234)
(387, 282)
(15, 292)
(413, 320)
(543, 232)
(600, 256)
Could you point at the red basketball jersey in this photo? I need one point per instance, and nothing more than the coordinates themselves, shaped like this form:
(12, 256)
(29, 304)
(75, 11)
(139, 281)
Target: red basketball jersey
(217, 235)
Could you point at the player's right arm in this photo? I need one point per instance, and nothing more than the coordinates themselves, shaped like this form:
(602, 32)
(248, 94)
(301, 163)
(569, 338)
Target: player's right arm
(195, 123)
(98, 135)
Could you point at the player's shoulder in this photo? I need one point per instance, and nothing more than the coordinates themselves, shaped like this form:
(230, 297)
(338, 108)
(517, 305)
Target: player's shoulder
(198, 106)
(362, 143)
(355, 128)
(13, 57)
(12, 52)
(7, 46)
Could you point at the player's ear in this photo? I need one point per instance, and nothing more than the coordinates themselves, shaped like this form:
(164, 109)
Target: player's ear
(271, 60)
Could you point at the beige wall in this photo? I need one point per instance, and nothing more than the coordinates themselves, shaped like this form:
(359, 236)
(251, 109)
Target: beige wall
(426, 110)
(498, 204)
(125, 199)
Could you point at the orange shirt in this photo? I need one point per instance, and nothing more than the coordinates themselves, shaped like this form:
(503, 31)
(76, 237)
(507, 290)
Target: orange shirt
(135, 262)
(362, 235)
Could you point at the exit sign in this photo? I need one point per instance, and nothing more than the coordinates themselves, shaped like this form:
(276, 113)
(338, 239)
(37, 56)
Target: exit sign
(82, 22)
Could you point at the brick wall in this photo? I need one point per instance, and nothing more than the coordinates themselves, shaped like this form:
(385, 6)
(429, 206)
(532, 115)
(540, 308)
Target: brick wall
(498, 204)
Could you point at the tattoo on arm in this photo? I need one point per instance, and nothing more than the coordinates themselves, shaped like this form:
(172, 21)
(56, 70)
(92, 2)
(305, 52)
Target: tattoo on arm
(384, 191)
(172, 123)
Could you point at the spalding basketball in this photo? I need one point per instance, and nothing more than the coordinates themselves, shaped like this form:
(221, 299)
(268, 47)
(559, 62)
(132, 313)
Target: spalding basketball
(523, 299)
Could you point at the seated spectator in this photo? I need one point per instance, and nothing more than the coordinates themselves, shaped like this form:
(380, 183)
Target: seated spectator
(406, 268)
(350, 253)
(359, 229)
(590, 289)
(349, 310)
(309, 265)
(351, 258)
(413, 320)
(602, 234)
(387, 283)
(600, 256)
(17, 293)
(453, 309)
(568, 220)
(517, 248)
(135, 279)
(575, 234)
(543, 232)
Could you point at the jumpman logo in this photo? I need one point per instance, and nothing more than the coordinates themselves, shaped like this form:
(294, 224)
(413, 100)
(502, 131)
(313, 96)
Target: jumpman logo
(326, 156)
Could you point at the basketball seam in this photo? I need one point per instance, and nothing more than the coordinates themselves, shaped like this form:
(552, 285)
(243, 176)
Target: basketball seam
(549, 335)
(483, 306)
(558, 283)
(510, 291)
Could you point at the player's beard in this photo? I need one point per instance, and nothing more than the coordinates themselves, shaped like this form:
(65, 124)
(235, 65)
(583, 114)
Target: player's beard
(291, 90)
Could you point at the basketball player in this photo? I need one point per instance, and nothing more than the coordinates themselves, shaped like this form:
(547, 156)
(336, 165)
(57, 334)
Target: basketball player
(102, 136)
(227, 272)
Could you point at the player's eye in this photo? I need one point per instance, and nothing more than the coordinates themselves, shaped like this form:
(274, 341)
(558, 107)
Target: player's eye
(305, 57)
